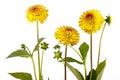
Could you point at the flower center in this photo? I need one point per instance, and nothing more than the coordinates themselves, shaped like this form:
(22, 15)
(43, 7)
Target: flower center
(35, 9)
(68, 29)
(89, 16)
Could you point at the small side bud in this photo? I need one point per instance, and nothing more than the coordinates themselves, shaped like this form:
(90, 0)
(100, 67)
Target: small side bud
(108, 19)
(58, 54)
(44, 45)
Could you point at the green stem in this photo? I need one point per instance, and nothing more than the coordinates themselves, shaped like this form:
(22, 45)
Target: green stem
(91, 56)
(100, 44)
(33, 63)
(84, 62)
(42, 60)
(65, 70)
(85, 70)
(91, 52)
(28, 49)
(76, 51)
(39, 67)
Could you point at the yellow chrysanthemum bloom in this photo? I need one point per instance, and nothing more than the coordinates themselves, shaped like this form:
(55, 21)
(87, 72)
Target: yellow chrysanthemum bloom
(37, 13)
(91, 21)
(67, 35)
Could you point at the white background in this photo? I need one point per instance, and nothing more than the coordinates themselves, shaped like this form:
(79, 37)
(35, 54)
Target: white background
(15, 30)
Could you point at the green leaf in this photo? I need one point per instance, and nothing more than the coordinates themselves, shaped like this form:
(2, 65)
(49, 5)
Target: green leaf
(100, 69)
(77, 74)
(70, 59)
(83, 50)
(37, 45)
(19, 53)
(93, 75)
(48, 78)
(22, 75)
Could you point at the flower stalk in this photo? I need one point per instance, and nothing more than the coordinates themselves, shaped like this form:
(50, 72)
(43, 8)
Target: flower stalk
(85, 70)
(32, 59)
(91, 52)
(76, 51)
(42, 59)
(91, 64)
(33, 63)
(65, 70)
(39, 63)
(100, 44)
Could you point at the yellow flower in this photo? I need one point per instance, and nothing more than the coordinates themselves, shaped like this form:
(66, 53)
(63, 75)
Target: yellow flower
(91, 21)
(67, 35)
(37, 13)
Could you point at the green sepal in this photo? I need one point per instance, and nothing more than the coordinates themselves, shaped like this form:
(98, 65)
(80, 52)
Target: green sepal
(77, 74)
(84, 50)
(70, 59)
(19, 53)
(21, 75)
(37, 45)
(100, 69)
